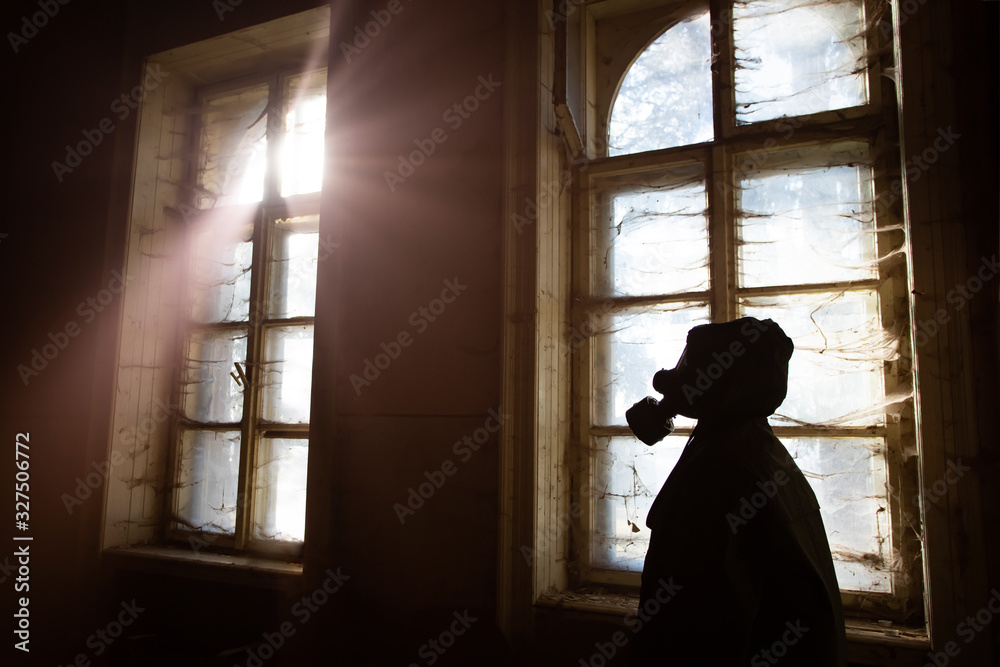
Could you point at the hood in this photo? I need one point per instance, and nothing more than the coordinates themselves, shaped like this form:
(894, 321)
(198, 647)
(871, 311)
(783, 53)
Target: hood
(731, 369)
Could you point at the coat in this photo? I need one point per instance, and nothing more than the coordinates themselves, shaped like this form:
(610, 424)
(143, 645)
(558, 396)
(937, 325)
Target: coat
(738, 569)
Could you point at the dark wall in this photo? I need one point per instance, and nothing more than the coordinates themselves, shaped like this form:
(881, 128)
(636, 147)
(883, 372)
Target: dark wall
(53, 257)
(396, 251)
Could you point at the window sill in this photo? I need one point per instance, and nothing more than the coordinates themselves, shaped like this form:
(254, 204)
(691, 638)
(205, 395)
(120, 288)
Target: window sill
(868, 642)
(240, 570)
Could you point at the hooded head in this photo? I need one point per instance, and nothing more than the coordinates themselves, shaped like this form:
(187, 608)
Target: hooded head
(731, 369)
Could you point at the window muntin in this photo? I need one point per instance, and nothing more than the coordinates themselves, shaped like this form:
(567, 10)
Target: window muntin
(242, 437)
(809, 205)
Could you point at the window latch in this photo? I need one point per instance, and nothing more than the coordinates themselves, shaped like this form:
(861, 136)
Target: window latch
(241, 379)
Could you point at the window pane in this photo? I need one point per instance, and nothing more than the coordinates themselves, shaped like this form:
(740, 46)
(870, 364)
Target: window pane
(302, 147)
(796, 57)
(835, 374)
(287, 374)
(294, 256)
(233, 148)
(848, 476)
(628, 476)
(210, 394)
(806, 217)
(207, 480)
(654, 234)
(281, 489)
(630, 347)
(220, 273)
(665, 98)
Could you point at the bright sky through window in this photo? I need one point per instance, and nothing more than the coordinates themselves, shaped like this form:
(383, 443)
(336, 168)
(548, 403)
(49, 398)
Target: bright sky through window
(796, 230)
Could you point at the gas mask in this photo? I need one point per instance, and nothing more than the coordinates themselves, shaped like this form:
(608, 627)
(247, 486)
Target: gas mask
(728, 370)
(652, 420)
(649, 420)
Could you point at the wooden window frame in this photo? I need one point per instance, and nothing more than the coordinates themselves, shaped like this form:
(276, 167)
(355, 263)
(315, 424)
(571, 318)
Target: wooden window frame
(145, 404)
(536, 512)
(721, 160)
(272, 208)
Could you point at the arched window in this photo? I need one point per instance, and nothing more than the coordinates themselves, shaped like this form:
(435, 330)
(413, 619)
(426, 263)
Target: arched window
(665, 98)
(739, 172)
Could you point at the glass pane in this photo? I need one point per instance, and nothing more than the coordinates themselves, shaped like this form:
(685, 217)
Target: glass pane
(665, 98)
(806, 217)
(302, 147)
(220, 273)
(207, 479)
(210, 394)
(630, 347)
(281, 489)
(233, 147)
(848, 476)
(294, 255)
(628, 476)
(653, 235)
(835, 374)
(287, 374)
(795, 57)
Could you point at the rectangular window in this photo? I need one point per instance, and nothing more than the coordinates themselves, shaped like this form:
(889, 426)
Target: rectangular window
(241, 436)
(210, 431)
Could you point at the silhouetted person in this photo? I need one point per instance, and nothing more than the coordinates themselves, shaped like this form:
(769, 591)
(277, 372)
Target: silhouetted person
(739, 570)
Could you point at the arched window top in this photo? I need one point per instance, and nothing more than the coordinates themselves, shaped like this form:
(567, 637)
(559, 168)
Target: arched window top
(792, 58)
(665, 98)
